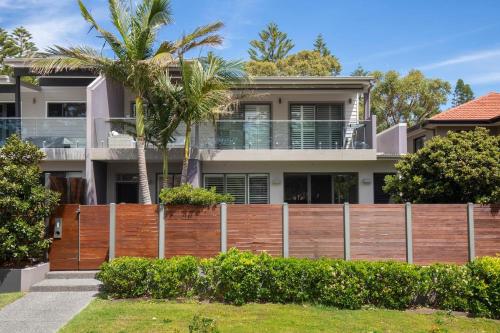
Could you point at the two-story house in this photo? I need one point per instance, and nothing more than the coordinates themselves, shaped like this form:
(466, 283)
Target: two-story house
(295, 140)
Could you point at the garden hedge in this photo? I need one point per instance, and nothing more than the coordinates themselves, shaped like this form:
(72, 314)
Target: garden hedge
(240, 277)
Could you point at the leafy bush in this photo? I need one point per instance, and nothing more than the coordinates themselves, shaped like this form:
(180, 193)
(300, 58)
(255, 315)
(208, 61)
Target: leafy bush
(446, 287)
(485, 287)
(240, 277)
(188, 195)
(126, 277)
(24, 204)
(457, 168)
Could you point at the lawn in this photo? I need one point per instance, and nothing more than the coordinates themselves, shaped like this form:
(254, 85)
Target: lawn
(158, 316)
(7, 298)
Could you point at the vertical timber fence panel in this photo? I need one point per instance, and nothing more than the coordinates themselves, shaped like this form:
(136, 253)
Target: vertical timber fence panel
(94, 236)
(192, 231)
(316, 231)
(487, 230)
(440, 233)
(255, 228)
(378, 232)
(63, 253)
(137, 230)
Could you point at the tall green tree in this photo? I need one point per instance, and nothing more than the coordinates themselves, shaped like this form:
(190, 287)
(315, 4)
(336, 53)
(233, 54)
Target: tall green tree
(7, 50)
(134, 56)
(457, 168)
(304, 63)
(23, 43)
(321, 47)
(360, 71)
(272, 45)
(206, 85)
(409, 99)
(462, 93)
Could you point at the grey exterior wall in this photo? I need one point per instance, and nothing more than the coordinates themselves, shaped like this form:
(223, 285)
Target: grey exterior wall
(393, 140)
(12, 280)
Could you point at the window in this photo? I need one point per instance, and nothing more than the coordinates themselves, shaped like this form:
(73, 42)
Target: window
(245, 188)
(127, 188)
(246, 128)
(132, 109)
(67, 110)
(321, 188)
(316, 126)
(379, 195)
(7, 110)
(418, 143)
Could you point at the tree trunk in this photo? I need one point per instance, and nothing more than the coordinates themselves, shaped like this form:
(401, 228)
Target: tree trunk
(187, 147)
(165, 168)
(144, 194)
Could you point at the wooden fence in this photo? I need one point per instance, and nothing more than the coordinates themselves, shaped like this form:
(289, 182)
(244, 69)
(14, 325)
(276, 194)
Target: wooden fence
(420, 234)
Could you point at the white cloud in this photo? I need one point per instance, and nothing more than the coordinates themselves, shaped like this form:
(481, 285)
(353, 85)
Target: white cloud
(466, 58)
(487, 78)
(49, 21)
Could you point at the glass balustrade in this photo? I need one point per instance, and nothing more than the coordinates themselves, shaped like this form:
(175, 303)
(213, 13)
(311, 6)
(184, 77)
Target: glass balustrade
(46, 132)
(246, 134)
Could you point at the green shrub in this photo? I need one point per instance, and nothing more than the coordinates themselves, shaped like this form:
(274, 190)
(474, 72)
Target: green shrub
(126, 277)
(188, 195)
(485, 287)
(240, 277)
(446, 287)
(173, 278)
(24, 205)
(392, 285)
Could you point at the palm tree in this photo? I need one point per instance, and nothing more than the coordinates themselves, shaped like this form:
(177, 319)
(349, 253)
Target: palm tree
(165, 107)
(134, 57)
(206, 86)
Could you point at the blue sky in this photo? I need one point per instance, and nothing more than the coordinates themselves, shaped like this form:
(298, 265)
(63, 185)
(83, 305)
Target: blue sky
(449, 39)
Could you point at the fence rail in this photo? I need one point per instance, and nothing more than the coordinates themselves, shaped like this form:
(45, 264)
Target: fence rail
(421, 234)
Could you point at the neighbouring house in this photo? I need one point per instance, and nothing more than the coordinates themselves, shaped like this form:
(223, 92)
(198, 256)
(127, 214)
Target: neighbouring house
(483, 111)
(297, 140)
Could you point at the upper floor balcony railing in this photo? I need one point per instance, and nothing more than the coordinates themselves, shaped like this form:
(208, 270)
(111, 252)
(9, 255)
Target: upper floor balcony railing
(46, 132)
(249, 134)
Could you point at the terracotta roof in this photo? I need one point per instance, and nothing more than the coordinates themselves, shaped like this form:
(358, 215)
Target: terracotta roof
(486, 107)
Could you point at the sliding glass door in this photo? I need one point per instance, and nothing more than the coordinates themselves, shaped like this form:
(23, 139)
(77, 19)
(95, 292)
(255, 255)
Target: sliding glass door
(316, 126)
(321, 188)
(248, 127)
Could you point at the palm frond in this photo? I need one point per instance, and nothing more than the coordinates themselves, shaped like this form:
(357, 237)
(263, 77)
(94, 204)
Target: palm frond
(115, 44)
(58, 58)
(202, 36)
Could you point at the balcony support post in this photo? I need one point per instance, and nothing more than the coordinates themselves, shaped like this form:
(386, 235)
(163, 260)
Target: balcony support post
(17, 94)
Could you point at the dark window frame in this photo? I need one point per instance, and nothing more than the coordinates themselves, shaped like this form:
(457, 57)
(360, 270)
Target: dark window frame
(63, 104)
(332, 183)
(420, 145)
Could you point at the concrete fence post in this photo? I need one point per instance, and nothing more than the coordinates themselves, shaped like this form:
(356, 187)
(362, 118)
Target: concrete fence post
(112, 230)
(285, 231)
(409, 233)
(223, 227)
(161, 231)
(347, 233)
(470, 231)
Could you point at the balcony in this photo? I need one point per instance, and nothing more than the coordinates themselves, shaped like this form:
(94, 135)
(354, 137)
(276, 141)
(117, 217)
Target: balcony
(249, 134)
(46, 132)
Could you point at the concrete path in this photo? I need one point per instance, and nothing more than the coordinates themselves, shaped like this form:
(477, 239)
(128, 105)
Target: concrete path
(43, 312)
